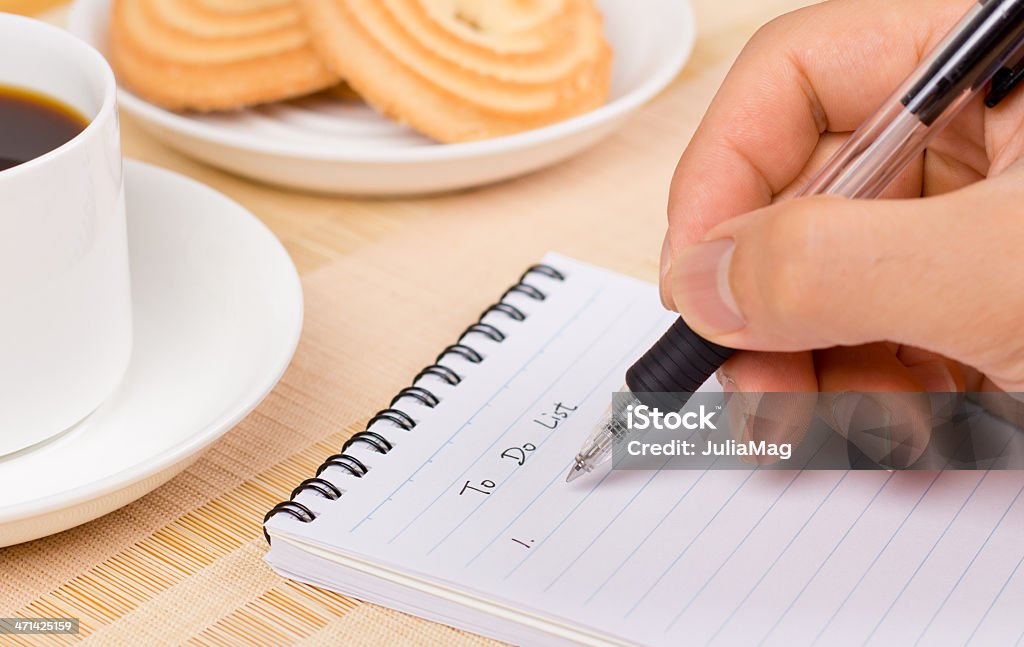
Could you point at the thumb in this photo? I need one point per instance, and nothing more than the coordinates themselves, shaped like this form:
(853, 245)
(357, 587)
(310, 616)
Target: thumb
(937, 273)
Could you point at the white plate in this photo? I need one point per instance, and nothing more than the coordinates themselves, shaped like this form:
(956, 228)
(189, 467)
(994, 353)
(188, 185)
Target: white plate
(218, 312)
(342, 147)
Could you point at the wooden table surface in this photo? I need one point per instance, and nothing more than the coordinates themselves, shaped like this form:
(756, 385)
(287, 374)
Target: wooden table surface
(183, 562)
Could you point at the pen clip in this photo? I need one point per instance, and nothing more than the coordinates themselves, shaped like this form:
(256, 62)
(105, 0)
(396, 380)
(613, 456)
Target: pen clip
(1004, 82)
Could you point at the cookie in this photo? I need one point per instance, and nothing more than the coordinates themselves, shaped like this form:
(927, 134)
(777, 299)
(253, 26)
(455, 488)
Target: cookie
(461, 70)
(211, 55)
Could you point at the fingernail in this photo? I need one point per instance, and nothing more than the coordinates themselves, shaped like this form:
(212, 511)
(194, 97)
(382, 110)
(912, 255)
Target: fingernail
(701, 288)
(665, 283)
(935, 377)
(770, 425)
(737, 409)
(765, 426)
(728, 384)
(867, 424)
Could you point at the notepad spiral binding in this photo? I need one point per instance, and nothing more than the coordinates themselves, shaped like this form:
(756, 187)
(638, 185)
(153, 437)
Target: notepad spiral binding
(355, 467)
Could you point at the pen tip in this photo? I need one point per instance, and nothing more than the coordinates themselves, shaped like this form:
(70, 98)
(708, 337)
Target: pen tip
(574, 473)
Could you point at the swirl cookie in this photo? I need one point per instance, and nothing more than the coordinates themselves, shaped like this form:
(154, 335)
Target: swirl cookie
(214, 54)
(460, 70)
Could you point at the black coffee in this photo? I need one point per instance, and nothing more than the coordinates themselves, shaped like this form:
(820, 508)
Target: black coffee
(33, 124)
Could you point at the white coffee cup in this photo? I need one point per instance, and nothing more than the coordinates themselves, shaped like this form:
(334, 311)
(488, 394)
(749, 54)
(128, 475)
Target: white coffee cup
(65, 303)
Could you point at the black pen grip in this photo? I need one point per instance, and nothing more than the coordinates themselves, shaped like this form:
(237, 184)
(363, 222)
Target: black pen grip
(680, 362)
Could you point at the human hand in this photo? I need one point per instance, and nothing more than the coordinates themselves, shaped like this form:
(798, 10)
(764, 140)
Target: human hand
(847, 296)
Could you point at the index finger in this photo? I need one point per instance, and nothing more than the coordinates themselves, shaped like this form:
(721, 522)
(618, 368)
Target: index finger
(824, 68)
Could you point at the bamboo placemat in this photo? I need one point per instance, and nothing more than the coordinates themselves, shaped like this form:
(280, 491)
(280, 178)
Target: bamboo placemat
(387, 285)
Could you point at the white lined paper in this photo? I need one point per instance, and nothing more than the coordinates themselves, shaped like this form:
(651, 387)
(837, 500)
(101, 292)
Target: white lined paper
(764, 557)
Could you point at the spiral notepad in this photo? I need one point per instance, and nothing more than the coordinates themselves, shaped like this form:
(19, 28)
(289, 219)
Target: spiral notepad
(419, 392)
(452, 505)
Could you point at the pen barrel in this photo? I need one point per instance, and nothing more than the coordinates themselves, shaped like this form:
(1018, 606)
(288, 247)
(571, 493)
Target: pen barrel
(676, 366)
(966, 59)
(948, 77)
(873, 156)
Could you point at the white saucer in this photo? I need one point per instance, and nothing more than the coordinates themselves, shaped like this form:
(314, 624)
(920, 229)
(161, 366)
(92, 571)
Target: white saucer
(218, 312)
(335, 146)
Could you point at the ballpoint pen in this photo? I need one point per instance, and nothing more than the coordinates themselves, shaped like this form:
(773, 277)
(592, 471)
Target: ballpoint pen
(978, 47)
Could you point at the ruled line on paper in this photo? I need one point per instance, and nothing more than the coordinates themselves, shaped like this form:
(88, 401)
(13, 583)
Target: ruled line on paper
(828, 558)
(895, 533)
(870, 566)
(886, 546)
(612, 521)
(967, 568)
(928, 554)
(935, 545)
(743, 539)
(692, 542)
(601, 532)
(995, 599)
(643, 541)
(785, 549)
